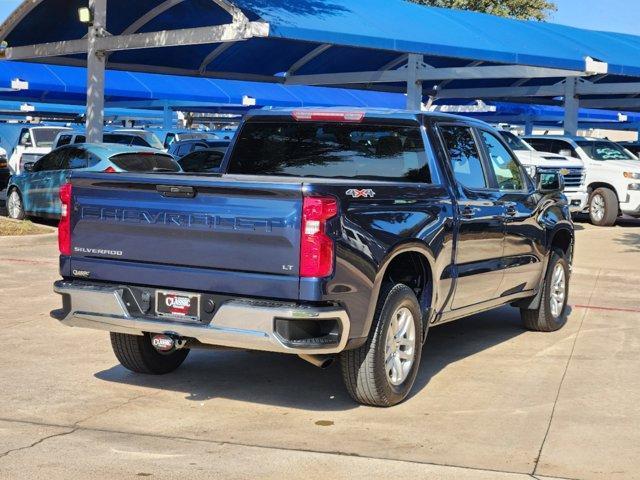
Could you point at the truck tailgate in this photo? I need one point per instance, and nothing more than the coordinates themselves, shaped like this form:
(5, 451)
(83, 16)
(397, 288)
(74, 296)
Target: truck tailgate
(201, 233)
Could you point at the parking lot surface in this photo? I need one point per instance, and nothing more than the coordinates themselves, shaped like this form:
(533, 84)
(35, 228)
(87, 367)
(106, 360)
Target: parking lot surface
(492, 401)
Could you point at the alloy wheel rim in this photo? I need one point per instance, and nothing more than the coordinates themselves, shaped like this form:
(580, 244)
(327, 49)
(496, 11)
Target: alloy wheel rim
(400, 348)
(558, 291)
(597, 207)
(14, 205)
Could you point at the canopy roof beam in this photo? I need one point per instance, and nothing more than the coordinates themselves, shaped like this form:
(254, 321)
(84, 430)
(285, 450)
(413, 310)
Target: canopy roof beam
(150, 15)
(611, 103)
(426, 73)
(167, 38)
(584, 88)
(503, 92)
(308, 57)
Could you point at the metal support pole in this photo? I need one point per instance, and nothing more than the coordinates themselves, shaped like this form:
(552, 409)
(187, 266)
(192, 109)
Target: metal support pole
(414, 86)
(528, 127)
(571, 107)
(167, 118)
(96, 63)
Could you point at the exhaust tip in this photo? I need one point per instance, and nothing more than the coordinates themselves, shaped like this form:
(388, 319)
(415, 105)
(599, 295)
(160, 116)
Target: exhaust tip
(320, 361)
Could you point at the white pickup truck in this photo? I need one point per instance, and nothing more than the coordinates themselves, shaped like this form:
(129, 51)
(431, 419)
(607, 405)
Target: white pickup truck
(536, 161)
(34, 142)
(612, 174)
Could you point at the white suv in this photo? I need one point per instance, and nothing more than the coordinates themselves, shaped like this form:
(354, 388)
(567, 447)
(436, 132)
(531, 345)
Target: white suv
(571, 168)
(612, 174)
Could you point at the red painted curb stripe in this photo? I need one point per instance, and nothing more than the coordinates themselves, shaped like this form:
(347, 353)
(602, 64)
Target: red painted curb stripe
(608, 309)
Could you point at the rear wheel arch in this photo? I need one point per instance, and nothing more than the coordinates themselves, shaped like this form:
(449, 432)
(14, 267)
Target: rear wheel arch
(411, 265)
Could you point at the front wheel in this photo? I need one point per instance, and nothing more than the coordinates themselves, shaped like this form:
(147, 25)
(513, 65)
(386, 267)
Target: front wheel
(382, 372)
(15, 207)
(603, 207)
(136, 353)
(552, 313)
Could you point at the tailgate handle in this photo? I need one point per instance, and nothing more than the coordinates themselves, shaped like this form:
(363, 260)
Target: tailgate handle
(176, 191)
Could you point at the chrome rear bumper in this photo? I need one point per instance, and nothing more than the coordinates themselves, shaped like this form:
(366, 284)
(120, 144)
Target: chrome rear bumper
(243, 323)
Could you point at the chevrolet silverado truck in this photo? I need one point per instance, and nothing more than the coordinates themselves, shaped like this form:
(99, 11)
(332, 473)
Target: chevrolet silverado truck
(330, 234)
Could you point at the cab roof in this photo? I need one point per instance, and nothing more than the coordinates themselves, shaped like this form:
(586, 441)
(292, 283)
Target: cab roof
(369, 113)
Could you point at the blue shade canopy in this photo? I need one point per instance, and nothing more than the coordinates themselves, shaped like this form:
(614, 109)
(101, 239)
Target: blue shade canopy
(63, 84)
(315, 37)
(365, 35)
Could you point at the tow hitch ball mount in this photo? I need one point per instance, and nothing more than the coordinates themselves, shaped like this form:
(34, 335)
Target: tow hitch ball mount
(166, 343)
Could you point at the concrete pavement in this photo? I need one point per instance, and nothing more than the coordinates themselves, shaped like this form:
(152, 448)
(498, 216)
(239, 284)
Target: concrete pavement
(491, 400)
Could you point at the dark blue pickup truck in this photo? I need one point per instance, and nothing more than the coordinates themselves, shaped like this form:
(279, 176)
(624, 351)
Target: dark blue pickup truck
(331, 234)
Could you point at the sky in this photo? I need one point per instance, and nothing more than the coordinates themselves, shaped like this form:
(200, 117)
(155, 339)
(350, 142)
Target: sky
(611, 15)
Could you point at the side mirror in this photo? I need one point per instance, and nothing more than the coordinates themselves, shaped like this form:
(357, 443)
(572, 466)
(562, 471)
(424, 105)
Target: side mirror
(550, 182)
(28, 167)
(565, 152)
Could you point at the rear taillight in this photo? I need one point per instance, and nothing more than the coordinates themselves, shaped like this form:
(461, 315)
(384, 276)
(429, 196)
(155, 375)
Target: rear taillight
(109, 170)
(316, 247)
(64, 227)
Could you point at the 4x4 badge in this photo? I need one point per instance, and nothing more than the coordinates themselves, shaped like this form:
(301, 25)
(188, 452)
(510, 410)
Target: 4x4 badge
(364, 193)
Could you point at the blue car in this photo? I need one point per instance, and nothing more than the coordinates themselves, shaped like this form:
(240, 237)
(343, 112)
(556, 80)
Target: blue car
(35, 191)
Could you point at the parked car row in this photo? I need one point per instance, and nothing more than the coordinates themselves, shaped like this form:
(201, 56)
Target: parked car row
(34, 141)
(612, 174)
(35, 192)
(602, 178)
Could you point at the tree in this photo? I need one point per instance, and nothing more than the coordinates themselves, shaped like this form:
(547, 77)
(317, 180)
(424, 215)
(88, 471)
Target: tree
(522, 9)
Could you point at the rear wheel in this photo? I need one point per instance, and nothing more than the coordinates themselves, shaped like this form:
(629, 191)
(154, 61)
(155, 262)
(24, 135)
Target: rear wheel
(552, 313)
(15, 207)
(603, 207)
(136, 353)
(382, 372)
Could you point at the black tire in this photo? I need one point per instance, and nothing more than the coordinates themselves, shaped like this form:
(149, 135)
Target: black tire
(135, 353)
(363, 370)
(542, 319)
(611, 207)
(17, 213)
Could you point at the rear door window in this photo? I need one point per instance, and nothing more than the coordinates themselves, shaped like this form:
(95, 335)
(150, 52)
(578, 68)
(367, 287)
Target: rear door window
(76, 158)
(464, 156)
(331, 150)
(202, 161)
(64, 140)
(52, 161)
(184, 149)
(145, 162)
(542, 145)
(139, 142)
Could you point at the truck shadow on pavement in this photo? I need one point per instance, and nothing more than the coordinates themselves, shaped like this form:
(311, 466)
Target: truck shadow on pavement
(287, 381)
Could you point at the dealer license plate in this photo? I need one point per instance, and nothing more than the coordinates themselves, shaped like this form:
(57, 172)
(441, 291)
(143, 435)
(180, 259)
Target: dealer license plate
(184, 306)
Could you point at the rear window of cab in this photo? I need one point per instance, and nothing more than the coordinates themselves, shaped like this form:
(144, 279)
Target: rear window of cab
(331, 150)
